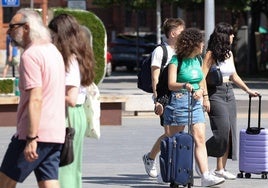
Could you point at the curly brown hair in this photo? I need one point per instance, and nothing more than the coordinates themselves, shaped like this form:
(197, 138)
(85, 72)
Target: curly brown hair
(188, 41)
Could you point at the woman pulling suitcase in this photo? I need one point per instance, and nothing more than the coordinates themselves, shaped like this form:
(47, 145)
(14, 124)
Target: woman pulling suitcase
(189, 45)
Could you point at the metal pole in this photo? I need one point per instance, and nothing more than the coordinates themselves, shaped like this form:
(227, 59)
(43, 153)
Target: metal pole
(32, 4)
(248, 38)
(138, 39)
(13, 71)
(209, 19)
(44, 9)
(158, 21)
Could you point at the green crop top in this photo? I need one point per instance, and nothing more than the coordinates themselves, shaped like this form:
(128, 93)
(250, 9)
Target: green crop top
(190, 71)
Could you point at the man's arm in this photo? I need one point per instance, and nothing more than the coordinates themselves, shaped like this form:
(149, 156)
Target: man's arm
(155, 76)
(34, 113)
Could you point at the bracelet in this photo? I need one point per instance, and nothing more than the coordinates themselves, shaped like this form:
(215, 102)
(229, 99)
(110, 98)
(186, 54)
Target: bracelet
(205, 95)
(28, 138)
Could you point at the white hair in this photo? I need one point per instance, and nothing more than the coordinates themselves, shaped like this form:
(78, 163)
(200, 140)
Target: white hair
(38, 31)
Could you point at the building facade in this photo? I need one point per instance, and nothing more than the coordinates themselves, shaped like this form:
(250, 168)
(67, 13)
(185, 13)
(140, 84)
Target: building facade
(118, 18)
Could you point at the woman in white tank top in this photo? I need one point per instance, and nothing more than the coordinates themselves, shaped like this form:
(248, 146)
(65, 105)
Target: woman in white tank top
(219, 101)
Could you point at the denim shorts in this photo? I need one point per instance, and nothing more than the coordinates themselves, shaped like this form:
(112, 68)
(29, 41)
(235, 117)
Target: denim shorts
(177, 112)
(45, 167)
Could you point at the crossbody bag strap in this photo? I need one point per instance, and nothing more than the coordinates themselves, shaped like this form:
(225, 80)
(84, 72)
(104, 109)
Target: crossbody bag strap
(68, 117)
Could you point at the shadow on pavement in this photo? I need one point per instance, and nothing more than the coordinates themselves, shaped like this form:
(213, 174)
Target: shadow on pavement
(131, 180)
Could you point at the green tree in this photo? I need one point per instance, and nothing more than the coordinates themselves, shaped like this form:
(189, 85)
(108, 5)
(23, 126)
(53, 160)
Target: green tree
(144, 4)
(133, 4)
(250, 10)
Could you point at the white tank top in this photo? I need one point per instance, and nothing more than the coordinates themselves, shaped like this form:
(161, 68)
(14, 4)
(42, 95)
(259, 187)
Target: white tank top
(227, 67)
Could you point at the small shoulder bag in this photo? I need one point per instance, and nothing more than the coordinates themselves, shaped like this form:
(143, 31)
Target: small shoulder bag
(67, 151)
(214, 76)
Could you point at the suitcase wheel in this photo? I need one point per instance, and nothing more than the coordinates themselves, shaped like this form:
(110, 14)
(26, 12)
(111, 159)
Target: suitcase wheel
(264, 176)
(173, 185)
(247, 175)
(240, 175)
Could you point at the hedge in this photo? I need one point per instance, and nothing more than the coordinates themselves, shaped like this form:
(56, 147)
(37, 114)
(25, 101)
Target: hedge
(95, 25)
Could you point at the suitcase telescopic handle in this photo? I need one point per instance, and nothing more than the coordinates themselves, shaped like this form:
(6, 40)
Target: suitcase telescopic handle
(254, 130)
(190, 111)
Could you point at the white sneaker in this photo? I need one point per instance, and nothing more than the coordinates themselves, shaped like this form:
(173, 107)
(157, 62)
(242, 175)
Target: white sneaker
(150, 166)
(211, 180)
(159, 179)
(225, 174)
(197, 170)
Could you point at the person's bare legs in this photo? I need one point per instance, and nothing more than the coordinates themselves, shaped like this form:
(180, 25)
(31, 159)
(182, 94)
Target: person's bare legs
(171, 130)
(221, 164)
(198, 131)
(221, 161)
(6, 182)
(149, 159)
(207, 179)
(156, 147)
(49, 184)
(5, 71)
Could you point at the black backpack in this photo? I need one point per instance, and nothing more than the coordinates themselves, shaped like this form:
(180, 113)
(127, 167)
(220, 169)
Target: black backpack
(163, 92)
(144, 81)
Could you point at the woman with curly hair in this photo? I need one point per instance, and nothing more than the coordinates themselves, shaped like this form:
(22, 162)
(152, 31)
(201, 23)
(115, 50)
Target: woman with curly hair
(219, 101)
(188, 46)
(69, 37)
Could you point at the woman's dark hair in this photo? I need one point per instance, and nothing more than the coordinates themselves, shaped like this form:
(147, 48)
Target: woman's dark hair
(69, 38)
(219, 41)
(187, 42)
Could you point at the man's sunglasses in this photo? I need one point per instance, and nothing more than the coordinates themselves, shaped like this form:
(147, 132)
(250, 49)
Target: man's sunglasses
(12, 26)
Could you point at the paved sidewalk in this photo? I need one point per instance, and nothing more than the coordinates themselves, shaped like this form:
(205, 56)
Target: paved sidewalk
(115, 160)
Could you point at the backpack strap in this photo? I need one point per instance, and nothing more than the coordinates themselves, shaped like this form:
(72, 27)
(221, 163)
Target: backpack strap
(164, 58)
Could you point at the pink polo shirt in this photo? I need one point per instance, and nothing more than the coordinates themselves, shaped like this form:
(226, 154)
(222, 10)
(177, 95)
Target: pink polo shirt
(42, 66)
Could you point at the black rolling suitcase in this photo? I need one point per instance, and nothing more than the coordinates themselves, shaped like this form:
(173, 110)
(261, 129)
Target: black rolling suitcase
(176, 157)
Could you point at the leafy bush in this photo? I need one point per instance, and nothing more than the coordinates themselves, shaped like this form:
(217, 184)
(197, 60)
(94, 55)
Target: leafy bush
(6, 86)
(95, 25)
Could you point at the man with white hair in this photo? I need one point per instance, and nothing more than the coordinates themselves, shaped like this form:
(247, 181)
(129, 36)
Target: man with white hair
(37, 143)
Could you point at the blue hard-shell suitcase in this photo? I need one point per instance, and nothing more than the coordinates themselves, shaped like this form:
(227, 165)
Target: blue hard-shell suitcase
(176, 157)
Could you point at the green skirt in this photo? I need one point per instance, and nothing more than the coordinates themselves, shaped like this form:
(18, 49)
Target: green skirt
(70, 176)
